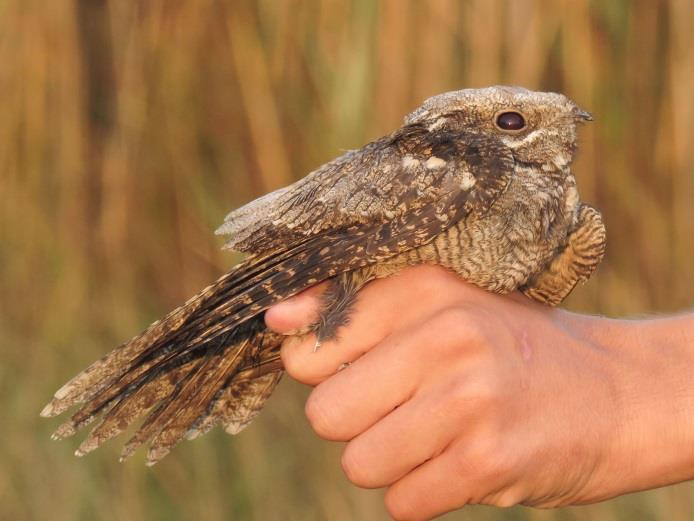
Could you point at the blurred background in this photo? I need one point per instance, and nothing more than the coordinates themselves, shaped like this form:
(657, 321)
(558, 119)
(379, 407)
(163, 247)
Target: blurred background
(129, 128)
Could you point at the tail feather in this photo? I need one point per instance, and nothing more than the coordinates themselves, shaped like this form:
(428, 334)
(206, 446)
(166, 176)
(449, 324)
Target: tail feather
(154, 372)
(192, 402)
(194, 338)
(247, 390)
(189, 316)
(101, 373)
(163, 413)
(243, 401)
(212, 360)
(186, 397)
(237, 405)
(194, 344)
(127, 410)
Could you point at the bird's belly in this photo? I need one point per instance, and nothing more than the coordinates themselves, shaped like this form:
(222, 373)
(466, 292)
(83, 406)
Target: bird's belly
(494, 257)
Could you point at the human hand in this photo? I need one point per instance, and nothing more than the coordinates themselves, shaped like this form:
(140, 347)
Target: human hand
(457, 396)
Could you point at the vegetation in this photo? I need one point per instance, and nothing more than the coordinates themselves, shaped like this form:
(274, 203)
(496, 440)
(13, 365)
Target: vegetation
(128, 129)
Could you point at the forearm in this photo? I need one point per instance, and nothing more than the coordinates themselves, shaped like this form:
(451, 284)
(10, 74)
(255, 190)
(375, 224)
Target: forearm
(654, 385)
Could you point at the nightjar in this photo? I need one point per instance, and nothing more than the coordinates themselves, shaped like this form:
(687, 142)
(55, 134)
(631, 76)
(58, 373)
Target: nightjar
(476, 180)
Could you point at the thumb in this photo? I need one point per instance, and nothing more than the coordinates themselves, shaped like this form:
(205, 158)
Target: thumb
(297, 312)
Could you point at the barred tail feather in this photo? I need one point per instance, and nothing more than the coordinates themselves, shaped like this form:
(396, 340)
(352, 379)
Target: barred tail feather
(103, 372)
(200, 390)
(212, 360)
(126, 411)
(176, 376)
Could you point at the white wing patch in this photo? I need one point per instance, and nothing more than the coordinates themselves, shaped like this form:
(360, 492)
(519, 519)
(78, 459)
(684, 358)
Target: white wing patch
(434, 163)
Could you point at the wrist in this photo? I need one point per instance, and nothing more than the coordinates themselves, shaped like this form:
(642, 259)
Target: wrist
(651, 363)
(667, 363)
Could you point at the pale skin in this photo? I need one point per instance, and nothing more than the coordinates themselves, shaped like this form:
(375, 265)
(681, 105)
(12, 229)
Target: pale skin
(457, 396)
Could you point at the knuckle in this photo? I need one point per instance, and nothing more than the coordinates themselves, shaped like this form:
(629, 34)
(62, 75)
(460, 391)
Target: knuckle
(486, 451)
(440, 278)
(356, 468)
(428, 276)
(291, 358)
(485, 391)
(322, 416)
(453, 317)
(470, 459)
(486, 462)
(507, 498)
(300, 367)
(472, 393)
(399, 505)
(458, 392)
(463, 325)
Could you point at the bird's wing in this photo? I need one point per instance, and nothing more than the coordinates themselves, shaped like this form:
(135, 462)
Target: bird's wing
(411, 169)
(178, 367)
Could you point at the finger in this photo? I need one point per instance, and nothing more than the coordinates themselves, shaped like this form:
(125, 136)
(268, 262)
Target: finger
(308, 365)
(435, 487)
(296, 312)
(410, 435)
(382, 306)
(460, 475)
(372, 318)
(353, 400)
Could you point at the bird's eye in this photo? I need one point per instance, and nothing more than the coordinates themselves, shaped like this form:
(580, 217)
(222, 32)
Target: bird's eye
(510, 121)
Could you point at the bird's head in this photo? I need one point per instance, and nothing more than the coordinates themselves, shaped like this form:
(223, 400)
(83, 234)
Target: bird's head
(539, 127)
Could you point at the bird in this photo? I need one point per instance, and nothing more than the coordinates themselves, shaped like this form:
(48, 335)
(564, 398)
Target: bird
(478, 181)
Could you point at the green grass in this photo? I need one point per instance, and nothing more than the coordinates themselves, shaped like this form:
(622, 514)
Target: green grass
(128, 129)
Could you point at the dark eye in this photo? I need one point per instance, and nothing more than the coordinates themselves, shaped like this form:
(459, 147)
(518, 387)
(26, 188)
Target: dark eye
(510, 121)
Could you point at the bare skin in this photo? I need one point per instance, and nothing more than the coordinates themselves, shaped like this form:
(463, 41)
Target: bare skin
(456, 396)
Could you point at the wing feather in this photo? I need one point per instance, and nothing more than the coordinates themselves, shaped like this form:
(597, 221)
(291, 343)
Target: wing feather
(386, 179)
(191, 369)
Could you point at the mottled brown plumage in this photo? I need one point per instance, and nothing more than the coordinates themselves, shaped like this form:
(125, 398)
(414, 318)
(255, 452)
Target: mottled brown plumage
(477, 181)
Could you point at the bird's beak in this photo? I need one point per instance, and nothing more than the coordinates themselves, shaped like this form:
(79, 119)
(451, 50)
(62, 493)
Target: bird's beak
(581, 114)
